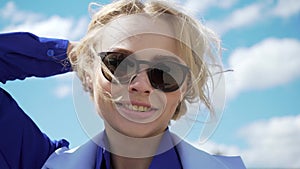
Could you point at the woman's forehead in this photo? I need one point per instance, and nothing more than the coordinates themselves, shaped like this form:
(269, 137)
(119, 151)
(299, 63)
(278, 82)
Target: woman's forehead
(142, 31)
(148, 41)
(130, 25)
(137, 25)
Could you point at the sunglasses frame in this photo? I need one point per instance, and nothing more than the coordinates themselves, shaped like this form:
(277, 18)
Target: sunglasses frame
(185, 70)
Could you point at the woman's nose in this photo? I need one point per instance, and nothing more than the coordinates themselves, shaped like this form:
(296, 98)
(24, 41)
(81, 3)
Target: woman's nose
(140, 83)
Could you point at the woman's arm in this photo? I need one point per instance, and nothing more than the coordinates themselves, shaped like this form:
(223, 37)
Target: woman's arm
(24, 55)
(22, 144)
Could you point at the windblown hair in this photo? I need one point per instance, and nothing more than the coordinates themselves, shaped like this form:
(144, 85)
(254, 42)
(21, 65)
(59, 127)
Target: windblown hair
(201, 47)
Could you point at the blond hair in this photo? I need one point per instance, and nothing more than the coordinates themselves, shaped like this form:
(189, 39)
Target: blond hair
(201, 47)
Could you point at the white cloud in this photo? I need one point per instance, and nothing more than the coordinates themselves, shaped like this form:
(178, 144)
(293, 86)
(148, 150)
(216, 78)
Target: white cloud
(10, 12)
(64, 86)
(53, 26)
(214, 148)
(252, 14)
(272, 143)
(286, 8)
(196, 6)
(63, 91)
(238, 18)
(269, 63)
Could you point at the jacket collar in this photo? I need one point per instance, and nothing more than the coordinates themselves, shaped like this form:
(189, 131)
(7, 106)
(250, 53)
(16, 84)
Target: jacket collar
(83, 157)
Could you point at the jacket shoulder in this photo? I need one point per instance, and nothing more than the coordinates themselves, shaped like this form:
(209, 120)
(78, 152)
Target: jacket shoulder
(234, 162)
(73, 158)
(193, 158)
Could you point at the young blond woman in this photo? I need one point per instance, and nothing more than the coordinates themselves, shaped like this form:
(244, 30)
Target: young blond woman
(143, 64)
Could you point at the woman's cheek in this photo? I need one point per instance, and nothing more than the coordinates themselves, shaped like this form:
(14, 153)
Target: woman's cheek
(173, 101)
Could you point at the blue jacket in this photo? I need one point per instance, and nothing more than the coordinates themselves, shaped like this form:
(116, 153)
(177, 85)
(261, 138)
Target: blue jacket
(83, 157)
(23, 145)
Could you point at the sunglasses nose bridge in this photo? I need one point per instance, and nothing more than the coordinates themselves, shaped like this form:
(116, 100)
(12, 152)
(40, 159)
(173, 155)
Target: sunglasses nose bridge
(142, 66)
(140, 82)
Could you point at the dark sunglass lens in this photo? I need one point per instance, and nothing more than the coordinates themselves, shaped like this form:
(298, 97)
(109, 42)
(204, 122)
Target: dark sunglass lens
(125, 70)
(162, 80)
(167, 76)
(119, 65)
(112, 61)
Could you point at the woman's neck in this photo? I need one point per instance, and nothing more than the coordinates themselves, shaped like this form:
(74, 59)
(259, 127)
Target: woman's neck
(130, 152)
(132, 147)
(119, 162)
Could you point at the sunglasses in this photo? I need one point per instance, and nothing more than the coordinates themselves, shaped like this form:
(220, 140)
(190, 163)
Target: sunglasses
(164, 75)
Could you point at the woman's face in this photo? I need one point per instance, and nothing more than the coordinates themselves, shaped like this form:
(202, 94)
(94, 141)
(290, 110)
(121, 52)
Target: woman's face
(137, 109)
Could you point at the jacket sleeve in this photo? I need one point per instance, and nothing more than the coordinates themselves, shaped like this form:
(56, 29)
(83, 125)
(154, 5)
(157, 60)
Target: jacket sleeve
(22, 144)
(24, 55)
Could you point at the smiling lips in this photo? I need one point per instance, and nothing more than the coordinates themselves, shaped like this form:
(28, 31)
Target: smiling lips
(137, 107)
(135, 111)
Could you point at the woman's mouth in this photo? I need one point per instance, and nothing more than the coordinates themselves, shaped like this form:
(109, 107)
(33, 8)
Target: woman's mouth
(137, 108)
(137, 112)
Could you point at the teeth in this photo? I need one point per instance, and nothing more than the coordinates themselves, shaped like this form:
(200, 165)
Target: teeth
(137, 108)
(141, 108)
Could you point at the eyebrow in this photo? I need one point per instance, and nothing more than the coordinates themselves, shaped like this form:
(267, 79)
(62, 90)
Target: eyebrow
(167, 57)
(156, 57)
(121, 50)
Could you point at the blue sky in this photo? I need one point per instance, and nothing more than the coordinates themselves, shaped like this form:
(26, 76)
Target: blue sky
(261, 41)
